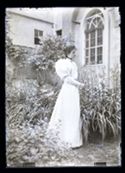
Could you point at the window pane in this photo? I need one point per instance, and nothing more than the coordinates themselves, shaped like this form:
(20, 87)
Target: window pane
(87, 43)
(36, 40)
(93, 42)
(87, 52)
(86, 60)
(59, 32)
(87, 23)
(99, 36)
(95, 21)
(87, 40)
(92, 27)
(99, 41)
(92, 60)
(36, 33)
(87, 26)
(92, 52)
(92, 36)
(92, 56)
(87, 36)
(99, 59)
(99, 51)
(98, 20)
(99, 55)
(99, 33)
(40, 33)
(100, 24)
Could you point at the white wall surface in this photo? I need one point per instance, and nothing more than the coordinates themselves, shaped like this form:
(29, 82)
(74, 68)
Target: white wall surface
(22, 29)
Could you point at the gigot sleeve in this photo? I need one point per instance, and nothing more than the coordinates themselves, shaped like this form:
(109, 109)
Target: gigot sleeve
(62, 68)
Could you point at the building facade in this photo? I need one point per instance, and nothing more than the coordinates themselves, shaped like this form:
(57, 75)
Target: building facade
(96, 34)
(27, 26)
(94, 31)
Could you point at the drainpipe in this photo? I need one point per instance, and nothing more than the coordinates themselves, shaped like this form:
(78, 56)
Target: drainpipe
(109, 47)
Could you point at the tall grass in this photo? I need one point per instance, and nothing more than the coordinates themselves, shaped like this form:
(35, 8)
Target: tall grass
(100, 104)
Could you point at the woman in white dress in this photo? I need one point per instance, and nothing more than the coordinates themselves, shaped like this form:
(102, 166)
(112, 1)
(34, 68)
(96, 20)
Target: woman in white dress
(65, 120)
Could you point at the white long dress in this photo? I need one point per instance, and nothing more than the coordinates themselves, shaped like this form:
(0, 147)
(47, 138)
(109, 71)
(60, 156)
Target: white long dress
(65, 119)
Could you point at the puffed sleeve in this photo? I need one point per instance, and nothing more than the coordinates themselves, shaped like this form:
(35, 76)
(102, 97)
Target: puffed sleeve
(62, 68)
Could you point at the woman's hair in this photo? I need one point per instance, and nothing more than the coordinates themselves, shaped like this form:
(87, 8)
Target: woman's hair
(69, 49)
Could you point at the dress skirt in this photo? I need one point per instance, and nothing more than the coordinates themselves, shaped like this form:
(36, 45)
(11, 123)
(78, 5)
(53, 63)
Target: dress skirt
(65, 119)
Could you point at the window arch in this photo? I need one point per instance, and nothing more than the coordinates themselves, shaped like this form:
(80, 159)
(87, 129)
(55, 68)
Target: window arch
(94, 38)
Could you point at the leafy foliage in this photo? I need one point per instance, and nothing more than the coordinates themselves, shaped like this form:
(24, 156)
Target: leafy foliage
(50, 50)
(28, 143)
(29, 106)
(100, 108)
(26, 125)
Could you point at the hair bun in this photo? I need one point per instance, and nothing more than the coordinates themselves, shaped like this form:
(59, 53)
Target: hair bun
(69, 49)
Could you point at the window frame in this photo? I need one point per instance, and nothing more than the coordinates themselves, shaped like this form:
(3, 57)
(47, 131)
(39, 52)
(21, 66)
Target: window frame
(88, 32)
(37, 34)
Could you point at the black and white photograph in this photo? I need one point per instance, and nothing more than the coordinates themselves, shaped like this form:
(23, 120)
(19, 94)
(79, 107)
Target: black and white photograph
(63, 87)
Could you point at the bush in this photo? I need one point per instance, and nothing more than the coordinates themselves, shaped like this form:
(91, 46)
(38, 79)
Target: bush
(29, 106)
(51, 49)
(29, 143)
(26, 123)
(100, 108)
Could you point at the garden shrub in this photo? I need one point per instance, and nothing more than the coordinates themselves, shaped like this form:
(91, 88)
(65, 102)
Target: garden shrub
(100, 107)
(30, 101)
(29, 107)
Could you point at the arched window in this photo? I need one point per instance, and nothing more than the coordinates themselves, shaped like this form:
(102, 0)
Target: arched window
(94, 38)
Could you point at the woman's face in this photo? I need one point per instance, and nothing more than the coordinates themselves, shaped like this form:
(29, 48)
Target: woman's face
(72, 54)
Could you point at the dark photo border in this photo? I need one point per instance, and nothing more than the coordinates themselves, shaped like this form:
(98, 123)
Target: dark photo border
(53, 3)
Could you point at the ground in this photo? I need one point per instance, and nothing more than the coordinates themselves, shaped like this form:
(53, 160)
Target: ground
(108, 152)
